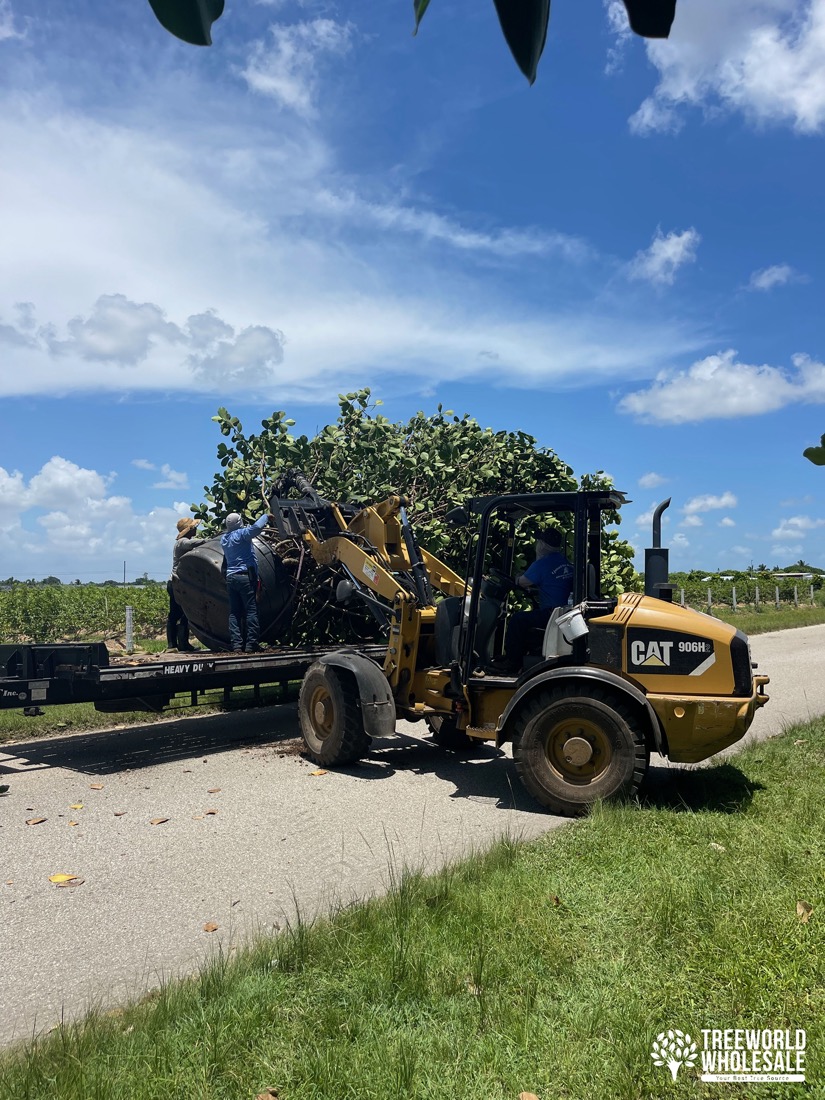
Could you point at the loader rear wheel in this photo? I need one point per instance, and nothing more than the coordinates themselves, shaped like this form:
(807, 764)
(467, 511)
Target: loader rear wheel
(330, 716)
(574, 745)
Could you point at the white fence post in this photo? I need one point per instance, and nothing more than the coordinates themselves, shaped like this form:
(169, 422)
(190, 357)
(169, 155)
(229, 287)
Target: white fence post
(777, 597)
(756, 594)
(733, 595)
(812, 595)
(129, 637)
(795, 596)
(710, 604)
(682, 596)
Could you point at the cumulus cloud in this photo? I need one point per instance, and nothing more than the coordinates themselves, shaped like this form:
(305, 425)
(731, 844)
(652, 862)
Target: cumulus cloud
(762, 58)
(795, 527)
(726, 521)
(143, 464)
(651, 480)
(247, 359)
(680, 541)
(769, 277)
(659, 263)
(692, 520)
(718, 386)
(117, 331)
(171, 479)
(286, 68)
(707, 502)
(65, 521)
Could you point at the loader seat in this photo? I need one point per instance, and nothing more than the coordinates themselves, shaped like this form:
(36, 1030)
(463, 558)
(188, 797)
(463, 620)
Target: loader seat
(447, 630)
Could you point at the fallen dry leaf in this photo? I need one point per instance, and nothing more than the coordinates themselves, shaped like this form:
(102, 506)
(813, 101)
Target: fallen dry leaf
(800, 741)
(214, 790)
(527, 1096)
(804, 911)
(267, 1094)
(9, 882)
(71, 882)
(158, 820)
(95, 786)
(319, 771)
(555, 899)
(35, 820)
(120, 813)
(197, 817)
(210, 927)
(60, 877)
(74, 822)
(76, 806)
(717, 847)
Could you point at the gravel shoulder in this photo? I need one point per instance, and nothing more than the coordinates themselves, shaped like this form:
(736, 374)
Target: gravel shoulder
(281, 835)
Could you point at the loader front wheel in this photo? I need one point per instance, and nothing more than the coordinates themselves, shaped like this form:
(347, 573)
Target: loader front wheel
(573, 746)
(330, 716)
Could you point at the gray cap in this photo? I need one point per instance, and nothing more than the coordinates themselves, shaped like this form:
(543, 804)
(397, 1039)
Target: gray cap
(232, 522)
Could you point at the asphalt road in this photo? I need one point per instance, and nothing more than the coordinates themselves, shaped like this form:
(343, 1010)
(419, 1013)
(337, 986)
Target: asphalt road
(281, 836)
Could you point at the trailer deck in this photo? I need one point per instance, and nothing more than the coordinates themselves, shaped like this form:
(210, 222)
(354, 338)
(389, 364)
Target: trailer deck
(34, 676)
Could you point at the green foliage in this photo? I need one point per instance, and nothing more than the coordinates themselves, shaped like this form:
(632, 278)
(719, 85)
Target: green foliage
(50, 613)
(436, 460)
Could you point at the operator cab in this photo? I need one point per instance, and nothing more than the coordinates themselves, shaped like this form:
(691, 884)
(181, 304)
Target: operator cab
(470, 632)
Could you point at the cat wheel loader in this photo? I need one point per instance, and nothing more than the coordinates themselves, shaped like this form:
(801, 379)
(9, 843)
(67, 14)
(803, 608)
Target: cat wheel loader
(607, 682)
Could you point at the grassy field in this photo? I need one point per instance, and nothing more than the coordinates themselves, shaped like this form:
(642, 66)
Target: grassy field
(547, 967)
(770, 618)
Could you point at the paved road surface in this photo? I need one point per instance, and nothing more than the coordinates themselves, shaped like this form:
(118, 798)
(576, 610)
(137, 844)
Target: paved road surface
(281, 835)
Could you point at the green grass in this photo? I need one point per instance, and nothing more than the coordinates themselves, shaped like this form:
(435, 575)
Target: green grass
(547, 967)
(770, 618)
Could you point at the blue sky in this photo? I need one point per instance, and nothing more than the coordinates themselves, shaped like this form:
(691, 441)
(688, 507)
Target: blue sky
(624, 260)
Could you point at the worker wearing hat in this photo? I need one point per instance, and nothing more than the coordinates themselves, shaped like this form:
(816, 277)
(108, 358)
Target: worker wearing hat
(241, 571)
(177, 625)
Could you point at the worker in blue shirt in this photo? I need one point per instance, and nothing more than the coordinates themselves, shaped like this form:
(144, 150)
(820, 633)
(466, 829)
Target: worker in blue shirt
(242, 581)
(550, 577)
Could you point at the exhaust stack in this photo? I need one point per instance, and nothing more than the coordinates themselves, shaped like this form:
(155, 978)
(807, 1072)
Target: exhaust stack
(656, 561)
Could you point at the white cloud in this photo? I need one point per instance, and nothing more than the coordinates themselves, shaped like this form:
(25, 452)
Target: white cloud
(651, 480)
(707, 502)
(680, 541)
(143, 464)
(620, 27)
(287, 68)
(769, 277)
(742, 551)
(726, 521)
(762, 58)
(171, 479)
(117, 331)
(719, 386)
(782, 553)
(63, 521)
(246, 360)
(7, 23)
(795, 527)
(659, 263)
(691, 520)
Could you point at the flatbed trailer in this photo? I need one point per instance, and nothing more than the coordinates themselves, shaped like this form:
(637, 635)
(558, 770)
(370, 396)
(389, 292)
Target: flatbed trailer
(35, 676)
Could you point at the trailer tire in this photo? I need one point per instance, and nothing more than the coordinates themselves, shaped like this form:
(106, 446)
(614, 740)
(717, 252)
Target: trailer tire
(447, 735)
(573, 745)
(330, 716)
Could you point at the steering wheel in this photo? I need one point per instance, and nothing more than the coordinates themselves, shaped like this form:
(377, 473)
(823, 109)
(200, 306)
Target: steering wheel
(501, 578)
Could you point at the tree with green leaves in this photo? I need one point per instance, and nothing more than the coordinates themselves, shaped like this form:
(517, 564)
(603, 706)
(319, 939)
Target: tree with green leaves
(437, 461)
(523, 23)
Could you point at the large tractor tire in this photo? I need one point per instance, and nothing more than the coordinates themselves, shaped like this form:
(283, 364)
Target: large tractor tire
(330, 716)
(573, 745)
(447, 735)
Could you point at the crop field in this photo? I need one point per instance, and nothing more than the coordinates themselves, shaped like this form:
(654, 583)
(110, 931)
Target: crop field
(77, 613)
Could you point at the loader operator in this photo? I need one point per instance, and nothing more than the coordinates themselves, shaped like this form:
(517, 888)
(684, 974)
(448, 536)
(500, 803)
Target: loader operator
(242, 581)
(550, 577)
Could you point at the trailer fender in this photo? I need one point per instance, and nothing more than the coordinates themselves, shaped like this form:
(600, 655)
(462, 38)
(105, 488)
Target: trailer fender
(377, 703)
(591, 675)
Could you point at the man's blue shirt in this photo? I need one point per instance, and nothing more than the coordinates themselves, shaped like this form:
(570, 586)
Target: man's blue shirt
(553, 576)
(237, 547)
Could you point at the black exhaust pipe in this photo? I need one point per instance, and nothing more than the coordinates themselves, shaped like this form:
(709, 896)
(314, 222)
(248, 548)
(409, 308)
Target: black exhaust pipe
(656, 561)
